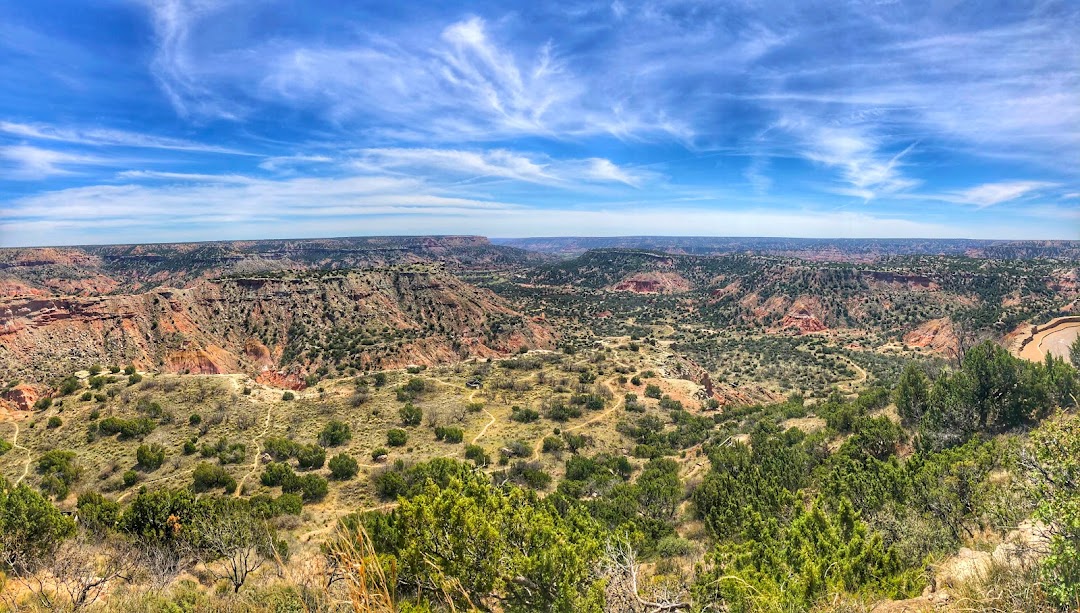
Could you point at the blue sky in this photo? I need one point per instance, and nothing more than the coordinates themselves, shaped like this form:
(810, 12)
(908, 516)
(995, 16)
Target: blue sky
(172, 120)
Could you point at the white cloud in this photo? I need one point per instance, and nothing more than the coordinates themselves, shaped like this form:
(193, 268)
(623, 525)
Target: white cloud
(108, 137)
(504, 164)
(183, 177)
(458, 82)
(601, 169)
(989, 194)
(287, 162)
(29, 162)
(189, 198)
(867, 170)
(180, 75)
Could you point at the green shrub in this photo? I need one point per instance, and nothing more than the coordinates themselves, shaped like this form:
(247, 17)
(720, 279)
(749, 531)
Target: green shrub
(449, 434)
(70, 385)
(31, 528)
(126, 428)
(288, 396)
(58, 472)
(311, 487)
(397, 437)
(150, 457)
(280, 448)
(275, 474)
(525, 416)
(130, 478)
(288, 504)
(553, 444)
(97, 513)
(477, 455)
(410, 415)
(310, 456)
(389, 484)
(335, 433)
(54, 422)
(343, 466)
(209, 476)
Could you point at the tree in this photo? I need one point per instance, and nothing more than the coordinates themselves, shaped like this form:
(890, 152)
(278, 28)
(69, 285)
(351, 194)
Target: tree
(659, 489)
(83, 567)
(397, 437)
(1074, 352)
(58, 472)
(150, 457)
(335, 433)
(343, 466)
(912, 393)
(410, 414)
(1051, 464)
(159, 516)
(231, 541)
(97, 513)
(486, 546)
(310, 456)
(209, 476)
(31, 528)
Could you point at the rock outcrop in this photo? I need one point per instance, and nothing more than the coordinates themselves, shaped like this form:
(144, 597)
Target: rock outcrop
(280, 327)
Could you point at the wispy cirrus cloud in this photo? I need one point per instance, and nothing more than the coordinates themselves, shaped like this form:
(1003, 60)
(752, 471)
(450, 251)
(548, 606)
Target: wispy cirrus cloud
(104, 137)
(989, 194)
(176, 198)
(866, 170)
(290, 162)
(30, 163)
(179, 73)
(463, 83)
(502, 163)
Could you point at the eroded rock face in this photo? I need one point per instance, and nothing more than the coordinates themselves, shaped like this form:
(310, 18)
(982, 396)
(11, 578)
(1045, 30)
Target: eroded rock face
(280, 327)
(21, 397)
(97, 270)
(805, 315)
(909, 281)
(653, 283)
(935, 334)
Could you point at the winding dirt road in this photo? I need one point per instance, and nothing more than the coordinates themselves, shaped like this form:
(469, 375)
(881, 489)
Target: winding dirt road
(257, 442)
(15, 445)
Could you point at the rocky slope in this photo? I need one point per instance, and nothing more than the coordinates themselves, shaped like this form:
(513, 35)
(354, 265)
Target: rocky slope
(94, 270)
(280, 327)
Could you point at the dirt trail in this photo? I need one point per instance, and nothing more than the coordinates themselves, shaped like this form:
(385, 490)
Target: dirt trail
(257, 442)
(15, 445)
(486, 412)
(860, 373)
(143, 484)
(331, 526)
(860, 377)
(598, 417)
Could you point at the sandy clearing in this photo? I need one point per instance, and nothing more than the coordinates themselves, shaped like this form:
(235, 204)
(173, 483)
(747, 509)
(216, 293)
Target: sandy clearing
(1054, 338)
